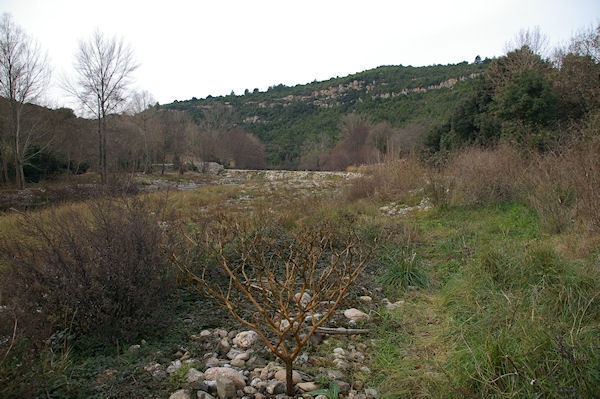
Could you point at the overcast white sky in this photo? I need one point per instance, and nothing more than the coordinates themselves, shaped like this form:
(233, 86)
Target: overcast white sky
(195, 48)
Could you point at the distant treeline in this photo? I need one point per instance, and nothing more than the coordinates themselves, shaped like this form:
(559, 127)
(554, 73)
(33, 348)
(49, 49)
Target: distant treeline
(524, 97)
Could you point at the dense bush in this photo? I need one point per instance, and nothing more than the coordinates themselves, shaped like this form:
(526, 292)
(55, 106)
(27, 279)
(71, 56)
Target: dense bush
(101, 270)
(387, 181)
(485, 176)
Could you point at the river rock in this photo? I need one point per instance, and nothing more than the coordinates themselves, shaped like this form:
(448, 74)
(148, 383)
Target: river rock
(221, 333)
(249, 390)
(308, 386)
(181, 394)
(246, 339)
(204, 395)
(212, 362)
(194, 375)
(341, 364)
(304, 300)
(339, 353)
(280, 375)
(356, 315)
(224, 346)
(204, 334)
(234, 375)
(275, 387)
(226, 388)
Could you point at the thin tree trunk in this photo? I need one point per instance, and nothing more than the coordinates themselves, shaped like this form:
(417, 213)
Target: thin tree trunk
(19, 178)
(4, 166)
(289, 381)
(100, 145)
(104, 163)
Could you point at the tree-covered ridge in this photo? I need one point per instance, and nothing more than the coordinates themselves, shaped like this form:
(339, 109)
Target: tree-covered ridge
(290, 119)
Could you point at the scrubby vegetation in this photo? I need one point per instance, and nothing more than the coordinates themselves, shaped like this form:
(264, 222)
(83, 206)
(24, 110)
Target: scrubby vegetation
(477, 258)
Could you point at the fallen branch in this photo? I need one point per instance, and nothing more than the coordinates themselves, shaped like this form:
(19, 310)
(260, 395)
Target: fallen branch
(342, 330)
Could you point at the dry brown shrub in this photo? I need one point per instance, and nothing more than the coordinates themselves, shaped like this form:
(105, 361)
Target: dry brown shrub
(550, 192)
(98, 270)
(487, 175)
(388, 180)
(582, 164)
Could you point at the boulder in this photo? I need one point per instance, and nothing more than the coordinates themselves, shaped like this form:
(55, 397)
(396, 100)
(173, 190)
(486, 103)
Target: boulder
(234, 375)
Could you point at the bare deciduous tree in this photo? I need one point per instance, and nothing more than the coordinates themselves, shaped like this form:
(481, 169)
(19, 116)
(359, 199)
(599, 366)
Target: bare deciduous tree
(283, 286)
(587, 43)
(24, 74)
(141, 108)
(533, 38)
(103, 69)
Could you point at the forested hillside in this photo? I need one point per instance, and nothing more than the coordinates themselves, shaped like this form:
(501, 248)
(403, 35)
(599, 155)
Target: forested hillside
(295, 122)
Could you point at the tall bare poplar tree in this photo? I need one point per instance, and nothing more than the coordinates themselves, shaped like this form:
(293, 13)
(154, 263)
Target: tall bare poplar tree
(141, 107)
(103, 73)
(24, 74)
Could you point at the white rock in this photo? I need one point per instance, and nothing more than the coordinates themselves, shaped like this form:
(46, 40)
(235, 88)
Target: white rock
(246, 339)
(365, 298)
(304, 300)
(308, 386)
(221, 333)
(181, 394)
(234, 375)
(205, 334)
(356, 315)
(204, 395)
(339, 351)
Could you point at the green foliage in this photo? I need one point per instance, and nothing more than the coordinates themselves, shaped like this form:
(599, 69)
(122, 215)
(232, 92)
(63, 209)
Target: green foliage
(332, 393)
(285, 119)
(403, 268)
(527, 98)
